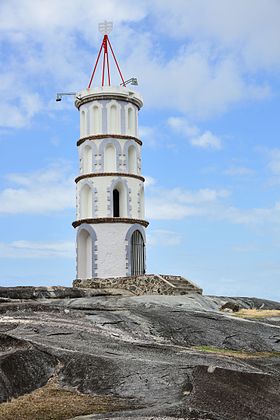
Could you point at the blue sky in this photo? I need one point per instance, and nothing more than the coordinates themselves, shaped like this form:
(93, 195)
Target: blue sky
(209, 75)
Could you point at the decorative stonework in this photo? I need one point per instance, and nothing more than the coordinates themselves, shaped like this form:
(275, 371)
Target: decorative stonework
(150, 284)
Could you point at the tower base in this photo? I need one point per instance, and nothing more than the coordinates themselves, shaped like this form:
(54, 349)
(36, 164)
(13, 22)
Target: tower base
(149, 284)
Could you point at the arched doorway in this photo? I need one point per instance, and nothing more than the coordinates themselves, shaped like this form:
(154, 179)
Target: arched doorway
(137, 254)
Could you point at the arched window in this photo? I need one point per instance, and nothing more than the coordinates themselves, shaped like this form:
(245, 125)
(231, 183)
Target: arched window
(86, 202)
(116, 203)
(85, 248)
(87, 160)
(119, 200)
(110, 158)
(130, 121)
(96, 120)
(83, 129)
(137, 254)
(132, 160)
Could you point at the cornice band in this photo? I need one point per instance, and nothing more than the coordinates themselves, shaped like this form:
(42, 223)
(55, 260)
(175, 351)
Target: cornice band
(99, 174)
(107, 136)
(90, 98)
(110, 220)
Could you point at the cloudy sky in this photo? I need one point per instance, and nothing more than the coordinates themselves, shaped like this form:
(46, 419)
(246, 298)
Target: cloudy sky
(208, 71)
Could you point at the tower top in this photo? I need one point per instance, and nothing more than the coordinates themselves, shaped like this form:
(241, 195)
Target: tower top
(105, 28)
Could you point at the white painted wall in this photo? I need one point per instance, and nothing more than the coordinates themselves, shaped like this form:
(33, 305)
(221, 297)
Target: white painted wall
(111, 249)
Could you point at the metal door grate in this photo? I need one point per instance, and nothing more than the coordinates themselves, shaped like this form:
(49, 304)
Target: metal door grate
(137, 254)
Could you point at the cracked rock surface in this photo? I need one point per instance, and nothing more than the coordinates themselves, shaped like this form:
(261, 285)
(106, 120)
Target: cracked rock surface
(151, 351)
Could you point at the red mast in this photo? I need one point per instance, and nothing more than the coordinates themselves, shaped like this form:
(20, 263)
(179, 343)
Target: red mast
(105, 28)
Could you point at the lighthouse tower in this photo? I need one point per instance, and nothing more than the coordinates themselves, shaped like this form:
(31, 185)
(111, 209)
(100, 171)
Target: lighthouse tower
(110, 221)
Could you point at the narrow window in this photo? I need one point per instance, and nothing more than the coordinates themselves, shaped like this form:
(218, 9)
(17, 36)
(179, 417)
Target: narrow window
(116, 203)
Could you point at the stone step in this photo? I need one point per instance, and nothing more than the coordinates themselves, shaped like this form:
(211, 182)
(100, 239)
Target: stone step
(182, 284)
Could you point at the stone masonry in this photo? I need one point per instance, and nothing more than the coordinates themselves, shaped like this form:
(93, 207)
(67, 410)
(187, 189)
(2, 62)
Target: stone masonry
(150, 284)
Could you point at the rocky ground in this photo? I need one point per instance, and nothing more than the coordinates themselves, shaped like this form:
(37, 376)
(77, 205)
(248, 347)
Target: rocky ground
(68, 352)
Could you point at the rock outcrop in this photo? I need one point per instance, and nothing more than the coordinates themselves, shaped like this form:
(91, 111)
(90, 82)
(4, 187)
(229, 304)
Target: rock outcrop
(164, 356)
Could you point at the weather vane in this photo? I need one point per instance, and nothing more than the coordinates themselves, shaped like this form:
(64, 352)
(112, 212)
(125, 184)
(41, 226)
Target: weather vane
(105, 27)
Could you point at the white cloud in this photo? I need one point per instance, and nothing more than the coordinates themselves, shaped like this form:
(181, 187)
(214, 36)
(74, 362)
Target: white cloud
(18, 104)
(41, 192)
(27, 249)
(222, 46)
(192, 82)
(239, 171)
(161, 237)
(177, 203)
(182, 125)
(207, 140)
(149, 135)
(274, 161)
(244, 248)
(196, 138)
(248, 28)
(254, 216)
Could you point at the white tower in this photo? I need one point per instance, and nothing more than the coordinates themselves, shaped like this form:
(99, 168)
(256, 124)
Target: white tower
(110, 220)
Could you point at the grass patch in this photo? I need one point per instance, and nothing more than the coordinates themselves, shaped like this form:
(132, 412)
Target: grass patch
(257, 313)
(237, 353)
(53, 403)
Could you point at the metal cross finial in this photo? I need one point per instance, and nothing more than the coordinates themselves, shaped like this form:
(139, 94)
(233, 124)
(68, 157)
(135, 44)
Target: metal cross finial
(105, 27)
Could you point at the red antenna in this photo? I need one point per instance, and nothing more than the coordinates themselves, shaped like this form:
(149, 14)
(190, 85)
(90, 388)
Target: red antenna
(105, 28)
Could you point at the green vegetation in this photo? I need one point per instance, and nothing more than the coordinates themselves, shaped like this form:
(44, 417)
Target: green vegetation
(237, 353)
